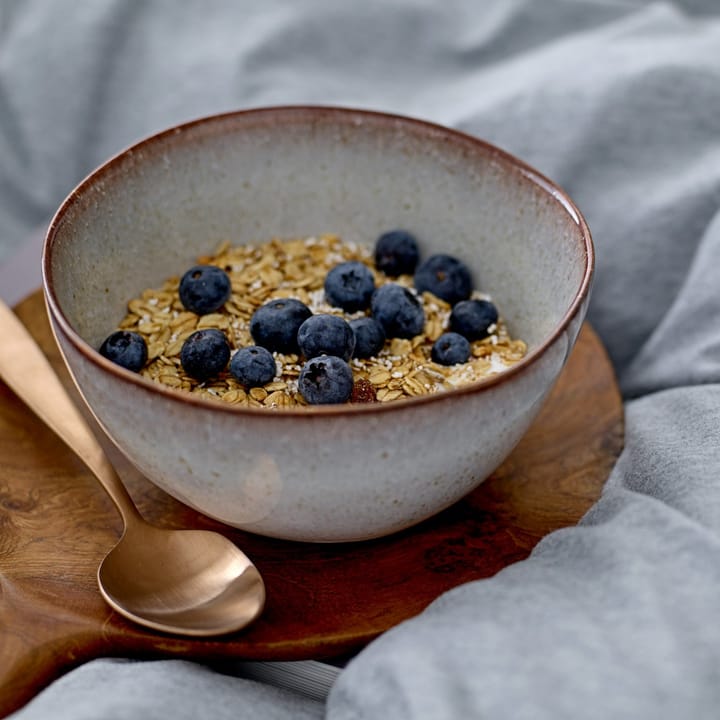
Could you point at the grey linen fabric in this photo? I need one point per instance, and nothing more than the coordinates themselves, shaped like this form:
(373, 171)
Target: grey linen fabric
(619, 102)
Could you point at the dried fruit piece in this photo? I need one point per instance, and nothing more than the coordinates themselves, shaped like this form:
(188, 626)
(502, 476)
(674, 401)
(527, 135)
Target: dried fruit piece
(363, 392)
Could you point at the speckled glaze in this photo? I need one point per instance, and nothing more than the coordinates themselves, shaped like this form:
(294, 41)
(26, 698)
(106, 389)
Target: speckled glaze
(330, 473)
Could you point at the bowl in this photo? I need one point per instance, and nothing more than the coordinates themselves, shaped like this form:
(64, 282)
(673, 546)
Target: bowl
(330, 473)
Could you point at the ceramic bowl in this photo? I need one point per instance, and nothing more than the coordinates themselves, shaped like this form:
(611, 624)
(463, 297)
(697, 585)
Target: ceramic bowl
(323, 473)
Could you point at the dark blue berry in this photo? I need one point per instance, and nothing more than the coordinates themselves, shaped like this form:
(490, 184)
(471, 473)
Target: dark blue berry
(205, 354)
(204, 289)
(472, 318)
(349, 286)
(369, 337)
(445, 277)
(396, 253)
(253, 366)
(326, 335)
(450, 349)
(398, 311)
(125, 348)
(325, 379)
(275, 324)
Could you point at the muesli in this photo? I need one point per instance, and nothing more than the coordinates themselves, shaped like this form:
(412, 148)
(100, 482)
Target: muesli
(297, 268)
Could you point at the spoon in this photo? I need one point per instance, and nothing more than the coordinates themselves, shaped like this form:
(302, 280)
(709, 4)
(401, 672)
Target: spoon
(187, 582)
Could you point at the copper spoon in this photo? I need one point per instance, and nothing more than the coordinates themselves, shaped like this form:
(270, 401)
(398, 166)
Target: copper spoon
(188, 582)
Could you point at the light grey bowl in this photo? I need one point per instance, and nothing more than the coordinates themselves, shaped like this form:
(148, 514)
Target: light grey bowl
(326, 473)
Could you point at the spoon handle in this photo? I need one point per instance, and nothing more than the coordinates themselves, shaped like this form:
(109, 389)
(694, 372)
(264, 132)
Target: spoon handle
(26, 370)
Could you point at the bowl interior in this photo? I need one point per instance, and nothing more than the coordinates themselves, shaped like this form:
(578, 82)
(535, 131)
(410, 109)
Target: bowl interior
(288, 172)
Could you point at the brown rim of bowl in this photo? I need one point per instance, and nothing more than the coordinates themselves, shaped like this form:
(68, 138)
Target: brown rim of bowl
(348, 115)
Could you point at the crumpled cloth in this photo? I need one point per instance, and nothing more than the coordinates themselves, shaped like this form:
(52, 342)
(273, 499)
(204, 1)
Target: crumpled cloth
(616, 100)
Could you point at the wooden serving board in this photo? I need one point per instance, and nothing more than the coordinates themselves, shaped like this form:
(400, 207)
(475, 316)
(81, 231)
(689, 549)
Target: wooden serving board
(56, 525)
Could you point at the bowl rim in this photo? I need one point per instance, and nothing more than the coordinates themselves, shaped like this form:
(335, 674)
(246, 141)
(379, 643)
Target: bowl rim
(348, 115)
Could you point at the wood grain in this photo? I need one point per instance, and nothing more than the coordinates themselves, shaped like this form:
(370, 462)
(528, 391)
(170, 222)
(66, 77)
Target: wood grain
(56, 524)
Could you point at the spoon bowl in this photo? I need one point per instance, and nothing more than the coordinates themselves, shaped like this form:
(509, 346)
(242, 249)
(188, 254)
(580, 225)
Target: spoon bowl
(187, 582)
(213, 590)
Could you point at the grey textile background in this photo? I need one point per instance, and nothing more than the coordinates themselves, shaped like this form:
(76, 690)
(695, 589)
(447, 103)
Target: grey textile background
(616, 100)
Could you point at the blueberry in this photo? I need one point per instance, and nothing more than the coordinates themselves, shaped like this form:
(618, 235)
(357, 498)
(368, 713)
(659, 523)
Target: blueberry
(204, 289)
(326, 379)
(472, 318)
(253, 366)
(275, 324)
(396, 253)
(205, 353)
(125, 348)
(446, 277)
(398, 311)
(326, 335)
(369, 337)
(349, 286)
(450, 349)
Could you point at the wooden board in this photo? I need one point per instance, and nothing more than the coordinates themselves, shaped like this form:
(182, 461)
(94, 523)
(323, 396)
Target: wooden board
(56, 524)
